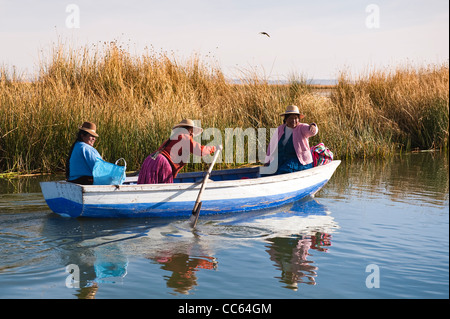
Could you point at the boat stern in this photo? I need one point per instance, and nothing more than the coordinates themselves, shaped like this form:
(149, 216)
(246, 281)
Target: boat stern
(63, 198)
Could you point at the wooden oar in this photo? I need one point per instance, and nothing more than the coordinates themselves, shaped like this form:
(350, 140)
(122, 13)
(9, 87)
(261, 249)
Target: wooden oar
(198, 204)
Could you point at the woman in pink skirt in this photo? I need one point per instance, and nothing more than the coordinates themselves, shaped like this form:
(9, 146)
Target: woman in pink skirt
(164, 165)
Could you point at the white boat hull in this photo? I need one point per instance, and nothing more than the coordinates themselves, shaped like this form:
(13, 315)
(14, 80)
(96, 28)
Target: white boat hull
(177, 199)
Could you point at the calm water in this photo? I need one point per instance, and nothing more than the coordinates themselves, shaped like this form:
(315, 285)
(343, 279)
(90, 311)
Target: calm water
(377, 230)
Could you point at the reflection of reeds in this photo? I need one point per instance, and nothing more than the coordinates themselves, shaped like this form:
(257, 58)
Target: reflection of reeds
(136, 100)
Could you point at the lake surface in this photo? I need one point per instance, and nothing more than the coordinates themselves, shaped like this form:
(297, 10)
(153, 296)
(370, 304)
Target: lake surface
(378, 229)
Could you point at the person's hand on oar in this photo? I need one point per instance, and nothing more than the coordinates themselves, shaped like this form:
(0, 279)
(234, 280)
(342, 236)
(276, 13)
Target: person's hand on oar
(198, 204)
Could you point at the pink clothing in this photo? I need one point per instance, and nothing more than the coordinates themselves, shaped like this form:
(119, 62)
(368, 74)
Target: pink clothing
(300, 135)
(177, 151)
(155, 171)
(172, 156)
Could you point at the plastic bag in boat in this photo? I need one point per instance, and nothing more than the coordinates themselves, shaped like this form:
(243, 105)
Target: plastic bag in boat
(106, 173)
(321, 155)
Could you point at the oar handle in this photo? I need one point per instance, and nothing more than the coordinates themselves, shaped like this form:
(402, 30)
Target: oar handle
(216, 155)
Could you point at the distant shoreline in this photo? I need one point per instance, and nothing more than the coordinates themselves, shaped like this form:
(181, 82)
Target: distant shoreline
(319, 83)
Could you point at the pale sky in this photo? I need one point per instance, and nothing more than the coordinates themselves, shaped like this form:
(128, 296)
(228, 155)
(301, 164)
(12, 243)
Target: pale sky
(315, 39)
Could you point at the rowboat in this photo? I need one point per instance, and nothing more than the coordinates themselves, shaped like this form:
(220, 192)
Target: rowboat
(227, 191)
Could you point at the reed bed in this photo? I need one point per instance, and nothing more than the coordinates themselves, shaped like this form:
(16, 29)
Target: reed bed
(135, 101)
(405, 108)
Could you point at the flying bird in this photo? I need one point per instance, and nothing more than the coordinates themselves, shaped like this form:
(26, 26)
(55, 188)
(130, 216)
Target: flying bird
(265, 33)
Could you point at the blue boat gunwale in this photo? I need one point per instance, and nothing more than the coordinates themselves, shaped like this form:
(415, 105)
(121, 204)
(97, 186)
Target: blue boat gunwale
(220, 175)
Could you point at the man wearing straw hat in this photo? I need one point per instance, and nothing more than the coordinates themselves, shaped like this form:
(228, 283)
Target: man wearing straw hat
(164, 165)
(290, 143)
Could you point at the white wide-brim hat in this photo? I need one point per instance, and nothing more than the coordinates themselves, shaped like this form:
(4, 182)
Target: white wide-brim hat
(189, 123)
(292, 109)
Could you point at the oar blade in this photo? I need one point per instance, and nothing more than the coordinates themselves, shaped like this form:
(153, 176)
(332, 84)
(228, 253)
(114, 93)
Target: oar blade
(195, 213)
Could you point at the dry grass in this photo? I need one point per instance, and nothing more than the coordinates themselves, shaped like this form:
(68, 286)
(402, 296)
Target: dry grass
(403, 108)
(136, 100)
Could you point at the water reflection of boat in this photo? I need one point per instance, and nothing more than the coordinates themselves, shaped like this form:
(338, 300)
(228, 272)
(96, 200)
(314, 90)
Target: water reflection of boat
(94, 249)
(292, 234)
(304, 217)
(183, 268)
(235, 190)
(103, 249)
(100, 250)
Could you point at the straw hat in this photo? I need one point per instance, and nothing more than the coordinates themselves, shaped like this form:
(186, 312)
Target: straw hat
(90, 128)
(292, 109)
(189, 123)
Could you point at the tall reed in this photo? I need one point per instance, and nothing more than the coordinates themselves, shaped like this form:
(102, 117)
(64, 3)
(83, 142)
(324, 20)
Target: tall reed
(136, 100)
(406, 107)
